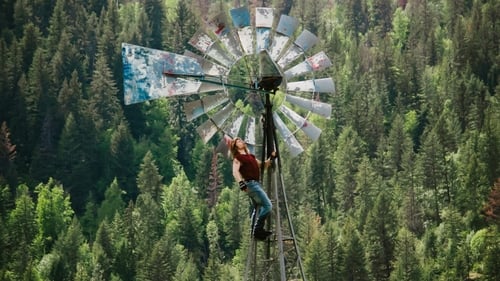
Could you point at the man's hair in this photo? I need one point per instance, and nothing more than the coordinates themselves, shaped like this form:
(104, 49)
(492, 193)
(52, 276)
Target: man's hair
(234, 149)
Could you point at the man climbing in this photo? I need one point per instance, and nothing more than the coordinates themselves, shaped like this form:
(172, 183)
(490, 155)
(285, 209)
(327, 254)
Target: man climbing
(246, 171)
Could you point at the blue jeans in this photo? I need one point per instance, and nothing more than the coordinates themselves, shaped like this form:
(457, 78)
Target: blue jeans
(259, 198)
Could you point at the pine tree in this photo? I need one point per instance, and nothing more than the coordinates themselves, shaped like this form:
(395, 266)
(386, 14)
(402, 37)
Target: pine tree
(316, 258)
(432, 167)
(70, 96)
(72, 165)
(367, 188)
(406, 264)
(157, 18)
(113, 203)
(346, 161)
(380, 233)
(30, 42)
(122, 160)
(381, 17)
(149, 179)
(213, 268)
(148, 225)
(53, 214)
(356, 19)
(103, 104)
(67, 248)
(229, 217)
(354, 264)
(161, 262)
(125, 241)
(319, 177)
(21, 232)
(103, 253)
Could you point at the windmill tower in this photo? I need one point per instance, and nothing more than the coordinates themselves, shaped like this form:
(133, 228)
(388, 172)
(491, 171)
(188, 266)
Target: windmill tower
(249, 75)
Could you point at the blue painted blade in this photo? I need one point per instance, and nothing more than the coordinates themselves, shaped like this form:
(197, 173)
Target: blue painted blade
(143, 74)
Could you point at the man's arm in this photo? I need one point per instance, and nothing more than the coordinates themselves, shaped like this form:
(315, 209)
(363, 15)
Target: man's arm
(268, 161)
(236, 170)
(237, 175)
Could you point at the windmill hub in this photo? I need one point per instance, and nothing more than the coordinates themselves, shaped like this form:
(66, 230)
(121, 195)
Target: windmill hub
(270, 83)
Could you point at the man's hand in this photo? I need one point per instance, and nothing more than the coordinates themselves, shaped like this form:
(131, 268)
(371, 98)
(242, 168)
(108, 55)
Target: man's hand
(243, 185)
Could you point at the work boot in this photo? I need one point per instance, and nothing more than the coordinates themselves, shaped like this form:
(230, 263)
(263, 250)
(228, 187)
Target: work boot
(258, 230)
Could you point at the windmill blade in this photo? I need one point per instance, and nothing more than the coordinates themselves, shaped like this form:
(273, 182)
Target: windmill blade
(233, 128)
(323, 85)
(209, 68)
(286, 27)
(179, 86)
(303, 43)
(195, 109)
(205, 44)
(208, 129)
(143, 74)
(293, 145)
(250, 138)
(220, 28)
(307, 127)
(264, 18)
(317, 62)
(241, 20)
(320, 108)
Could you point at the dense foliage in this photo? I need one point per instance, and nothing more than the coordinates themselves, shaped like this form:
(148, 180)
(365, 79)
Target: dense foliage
(402, 185)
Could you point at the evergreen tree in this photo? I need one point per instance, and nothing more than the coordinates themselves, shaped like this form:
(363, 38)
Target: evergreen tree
(213, 269)
(21, 232)
(406, 265)
(157, 17)
(122, 160)
(473, 184)
(125, 240)
(70, 96)
(148, 224)
(113, 203)
(380, 233)
(161, 262)
(161, 138)
(346, 161)
(354, 266)
(108, 44)
(316, 258)
(149, 180)
(186, 269)
(367, 188)
(103, 253)
(71, 161)
(491, 258)
(67, 249)
(318, 177)
(228, 217)
(53, 214)
(103, 104)
(36, 97)
(381, 16)
(356, 18)
(431, 162)
(30, 42)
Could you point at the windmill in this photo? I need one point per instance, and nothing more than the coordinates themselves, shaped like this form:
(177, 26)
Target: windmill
(250, 75)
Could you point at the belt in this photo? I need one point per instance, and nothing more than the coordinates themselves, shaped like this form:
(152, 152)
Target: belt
(251, 181)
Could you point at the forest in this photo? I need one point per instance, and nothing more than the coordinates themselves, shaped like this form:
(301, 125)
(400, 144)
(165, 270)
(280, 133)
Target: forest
(402, 185)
